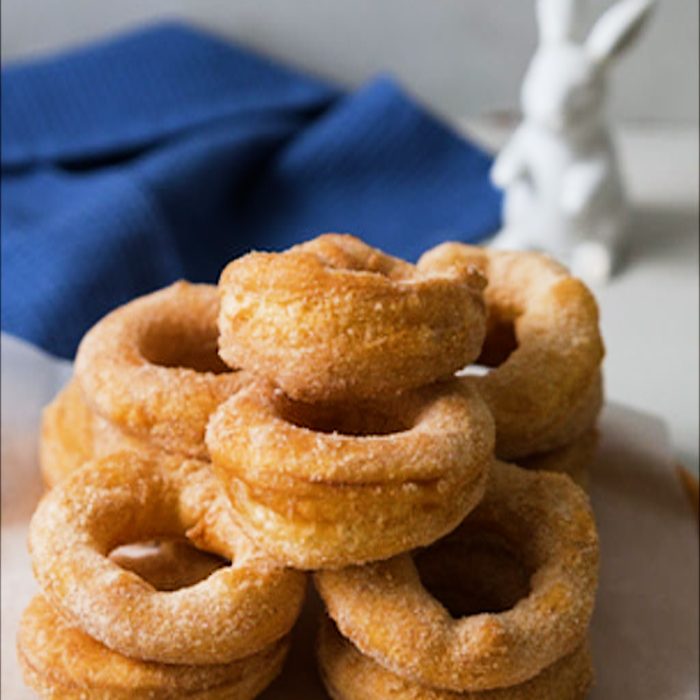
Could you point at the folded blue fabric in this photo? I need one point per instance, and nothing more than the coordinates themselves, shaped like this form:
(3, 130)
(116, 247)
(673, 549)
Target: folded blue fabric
(164, 153)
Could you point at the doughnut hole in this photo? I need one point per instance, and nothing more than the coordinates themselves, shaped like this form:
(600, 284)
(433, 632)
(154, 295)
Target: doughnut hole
(375, 265)
(500, 341)
(479, 573)
(348, 254)
(359, 419)
(167, 563)
(176, 346)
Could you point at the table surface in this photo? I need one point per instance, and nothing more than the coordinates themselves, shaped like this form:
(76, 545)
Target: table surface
(649, 311)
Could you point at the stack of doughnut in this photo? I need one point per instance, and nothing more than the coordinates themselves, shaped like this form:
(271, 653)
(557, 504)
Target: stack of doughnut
(394, 428)
(100, 630)
(348, 449)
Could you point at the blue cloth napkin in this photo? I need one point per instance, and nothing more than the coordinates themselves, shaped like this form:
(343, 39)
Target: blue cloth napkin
(164, 153)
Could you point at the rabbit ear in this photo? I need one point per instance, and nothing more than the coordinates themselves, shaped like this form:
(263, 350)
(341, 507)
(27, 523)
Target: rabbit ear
(618, 28)
(558, 19)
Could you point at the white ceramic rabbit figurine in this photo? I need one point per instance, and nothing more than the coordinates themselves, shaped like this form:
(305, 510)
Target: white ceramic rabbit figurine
(563, 192)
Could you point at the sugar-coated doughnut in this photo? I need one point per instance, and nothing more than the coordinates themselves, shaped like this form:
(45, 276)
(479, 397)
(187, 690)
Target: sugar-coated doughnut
(334, 319)
(350, 675)
(151, 367)
(237, 611)
(58, 660)
(388, 613)
(542, 342)
(322, 486)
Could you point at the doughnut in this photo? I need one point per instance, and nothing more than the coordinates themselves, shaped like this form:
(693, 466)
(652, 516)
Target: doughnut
(237, 611)
(108, 439)
(350, 675)
(579, 420)
(151, 368)
(66, 434)
(543, 521)
(572, 459)
(335, 320)
(72, 434)
(542, 344)
(59, 660)
(323, 486)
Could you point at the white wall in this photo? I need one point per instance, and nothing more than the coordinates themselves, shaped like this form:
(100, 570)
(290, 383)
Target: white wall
(464, 57)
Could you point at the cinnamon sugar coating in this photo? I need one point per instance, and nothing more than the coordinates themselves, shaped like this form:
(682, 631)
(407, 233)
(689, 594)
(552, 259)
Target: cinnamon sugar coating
(59, 660)
(151, 368)
(237, 611)
(323, 486)
(386, 612)
(335, 320)
(350, 675)
(543, 342)
(72, 434)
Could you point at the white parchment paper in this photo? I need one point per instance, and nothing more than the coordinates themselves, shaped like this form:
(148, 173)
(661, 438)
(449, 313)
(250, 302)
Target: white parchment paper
(645, 628)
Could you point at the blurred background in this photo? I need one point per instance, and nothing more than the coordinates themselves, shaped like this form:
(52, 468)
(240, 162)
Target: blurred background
(462, 57)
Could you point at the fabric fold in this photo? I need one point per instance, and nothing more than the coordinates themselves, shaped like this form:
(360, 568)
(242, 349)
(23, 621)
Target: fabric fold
(166, 152)
(136, 89)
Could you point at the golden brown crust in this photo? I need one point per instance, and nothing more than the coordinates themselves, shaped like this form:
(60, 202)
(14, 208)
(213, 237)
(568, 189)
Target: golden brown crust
(66, 435)
(324, 486)
(350, 675)
(572, 459)
(334, 319)
(58, 660)
(575, 423)
(238, 610)
(387, 613)
(72, 434)
(545, 392)
(151, 368)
